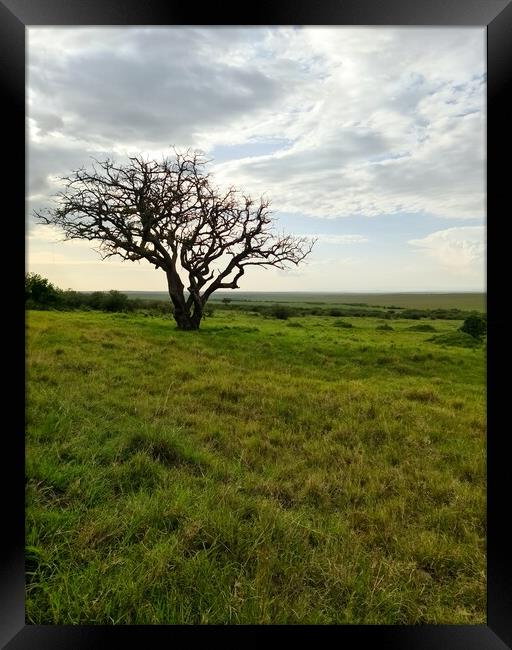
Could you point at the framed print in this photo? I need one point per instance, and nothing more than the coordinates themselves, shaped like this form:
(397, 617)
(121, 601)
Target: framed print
(262, 339)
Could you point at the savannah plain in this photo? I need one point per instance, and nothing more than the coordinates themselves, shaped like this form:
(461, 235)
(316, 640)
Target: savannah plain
(296, 466)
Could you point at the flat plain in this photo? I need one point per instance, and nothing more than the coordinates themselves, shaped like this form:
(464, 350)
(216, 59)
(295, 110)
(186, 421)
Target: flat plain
(466, 301)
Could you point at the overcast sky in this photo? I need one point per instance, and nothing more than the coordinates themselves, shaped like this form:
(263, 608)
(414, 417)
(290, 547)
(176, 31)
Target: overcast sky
(370, 139)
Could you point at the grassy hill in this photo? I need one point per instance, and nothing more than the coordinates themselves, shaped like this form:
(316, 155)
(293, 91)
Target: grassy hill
(309, 470)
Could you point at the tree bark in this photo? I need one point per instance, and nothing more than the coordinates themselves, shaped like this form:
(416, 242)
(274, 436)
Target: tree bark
(185, 319)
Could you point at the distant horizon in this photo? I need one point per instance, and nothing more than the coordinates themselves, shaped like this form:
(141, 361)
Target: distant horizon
(238, 291)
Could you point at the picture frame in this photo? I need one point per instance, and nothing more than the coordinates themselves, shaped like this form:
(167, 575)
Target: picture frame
(496, 16)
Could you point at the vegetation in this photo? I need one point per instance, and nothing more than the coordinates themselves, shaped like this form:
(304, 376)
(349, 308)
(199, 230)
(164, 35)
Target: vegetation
(393, 301)
(50, 297)
(255, 471)
(40, 292)
(283, 312)
(475, 325)
(458, 338)
(42, 295)
(343, 323)
(424, 327)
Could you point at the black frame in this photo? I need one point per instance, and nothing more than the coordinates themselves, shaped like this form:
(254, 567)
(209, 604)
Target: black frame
(496, 15)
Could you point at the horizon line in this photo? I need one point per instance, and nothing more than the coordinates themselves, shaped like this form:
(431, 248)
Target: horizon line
(366, 291)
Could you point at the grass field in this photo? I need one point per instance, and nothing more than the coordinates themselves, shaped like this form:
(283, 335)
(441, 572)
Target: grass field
(464, 301)
(256, 471)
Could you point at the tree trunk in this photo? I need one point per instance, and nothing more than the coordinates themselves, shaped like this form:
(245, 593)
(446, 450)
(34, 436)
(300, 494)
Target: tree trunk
(185, 319)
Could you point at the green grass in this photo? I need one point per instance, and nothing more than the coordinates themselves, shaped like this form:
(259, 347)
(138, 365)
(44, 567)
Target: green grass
(256, 471)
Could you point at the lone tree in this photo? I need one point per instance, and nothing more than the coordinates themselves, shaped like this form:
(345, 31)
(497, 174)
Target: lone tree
(170, 214)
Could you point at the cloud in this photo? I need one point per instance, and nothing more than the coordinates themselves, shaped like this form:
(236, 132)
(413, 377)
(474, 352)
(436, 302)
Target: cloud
(397, 124)
(328, 122)
(379, 120)
(339, 239)
(459, 250)
(161, 87)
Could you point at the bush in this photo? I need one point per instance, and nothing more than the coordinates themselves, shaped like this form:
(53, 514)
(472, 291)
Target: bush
(154, 307)
(97, 300)
(108, 301)
(447, 314)
(281, 311)
(384, 328)
(414, 314)
(74, 300)
(40, 293)
(457, 339)
(421, 328)
(335, 312)
(115, 301)
(475, 325)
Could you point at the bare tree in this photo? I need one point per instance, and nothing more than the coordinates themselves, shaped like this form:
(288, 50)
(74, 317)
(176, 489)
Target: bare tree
(170, 214)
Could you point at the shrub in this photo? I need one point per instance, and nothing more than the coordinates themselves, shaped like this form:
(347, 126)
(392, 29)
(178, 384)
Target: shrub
(335, 312)
(421, 328)
(74, 299)
(457, 338)
(475, 325)
(154, 307)
(40, 293)
(115, 301)
(447, 314)
(414, 314)
(384, 328)
(281, 311)
(96, 299)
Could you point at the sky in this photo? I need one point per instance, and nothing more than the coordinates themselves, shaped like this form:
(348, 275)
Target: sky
(369, 139)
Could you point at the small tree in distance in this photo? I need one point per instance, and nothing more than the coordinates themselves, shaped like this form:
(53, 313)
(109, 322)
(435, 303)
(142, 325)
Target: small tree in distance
(171, 215)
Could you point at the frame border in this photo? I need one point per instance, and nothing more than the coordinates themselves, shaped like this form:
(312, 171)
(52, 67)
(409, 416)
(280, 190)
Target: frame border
(496, 16)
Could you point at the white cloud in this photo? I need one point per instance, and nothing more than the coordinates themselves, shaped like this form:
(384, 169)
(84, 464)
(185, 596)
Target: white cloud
(44, 233)
(459, 250)
(395, 123)
(339, 239)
